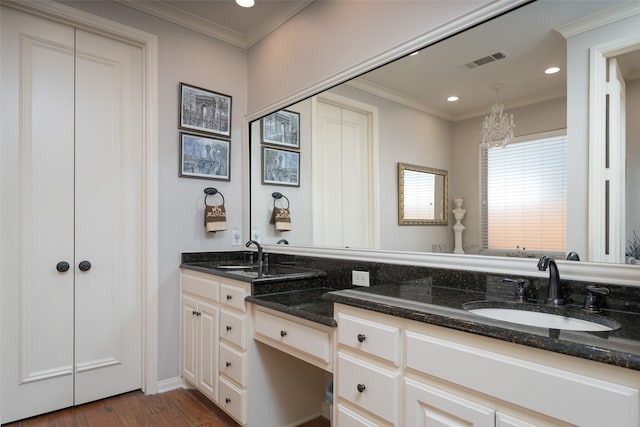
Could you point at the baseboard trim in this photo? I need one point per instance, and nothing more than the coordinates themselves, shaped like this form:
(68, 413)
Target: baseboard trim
(170, 384)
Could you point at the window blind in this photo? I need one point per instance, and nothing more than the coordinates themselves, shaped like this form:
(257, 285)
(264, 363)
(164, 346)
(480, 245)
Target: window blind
(523, 190)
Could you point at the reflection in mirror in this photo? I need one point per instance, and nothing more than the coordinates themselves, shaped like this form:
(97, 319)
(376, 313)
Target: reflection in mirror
(422, 195)
(416, 122)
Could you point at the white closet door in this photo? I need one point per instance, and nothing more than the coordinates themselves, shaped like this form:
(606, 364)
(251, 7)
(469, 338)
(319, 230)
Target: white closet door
(108, 156)
(71, 179)
(341, 177)
(37, 216)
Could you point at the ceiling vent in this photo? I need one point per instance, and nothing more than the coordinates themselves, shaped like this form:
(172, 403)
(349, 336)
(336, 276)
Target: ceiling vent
(486, 60)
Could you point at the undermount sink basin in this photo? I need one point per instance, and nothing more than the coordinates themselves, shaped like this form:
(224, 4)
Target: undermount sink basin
(541, 316)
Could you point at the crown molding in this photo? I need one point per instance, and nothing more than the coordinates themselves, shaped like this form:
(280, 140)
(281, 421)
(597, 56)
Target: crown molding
(168, 12)
(598, 20)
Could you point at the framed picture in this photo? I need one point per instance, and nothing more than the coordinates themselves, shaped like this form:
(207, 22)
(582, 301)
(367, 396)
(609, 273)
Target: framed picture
(281, 128)
(204, 111)
(204, 157)
(280, 167)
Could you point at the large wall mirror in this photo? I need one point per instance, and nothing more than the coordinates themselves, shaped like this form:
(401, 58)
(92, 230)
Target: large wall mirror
(352, 136)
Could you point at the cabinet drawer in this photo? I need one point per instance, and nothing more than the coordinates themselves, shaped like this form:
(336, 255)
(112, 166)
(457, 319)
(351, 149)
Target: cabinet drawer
(369, 386)
(374, 338)
(348, 418)
(233, 364)
(311, 341)
(200, 284)
(233, 296)
(233, 328)
(233, 401)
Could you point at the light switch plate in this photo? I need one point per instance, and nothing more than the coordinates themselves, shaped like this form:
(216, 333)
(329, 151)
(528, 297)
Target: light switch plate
(360, 278)
(236, 237)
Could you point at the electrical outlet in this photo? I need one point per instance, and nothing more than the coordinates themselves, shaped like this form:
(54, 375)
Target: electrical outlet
(360, 278)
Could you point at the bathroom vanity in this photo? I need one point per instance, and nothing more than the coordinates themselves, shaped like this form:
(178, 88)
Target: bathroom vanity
(403, 351)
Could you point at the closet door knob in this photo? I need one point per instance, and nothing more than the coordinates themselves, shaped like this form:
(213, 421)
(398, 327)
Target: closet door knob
(84, 266)
(62, 266)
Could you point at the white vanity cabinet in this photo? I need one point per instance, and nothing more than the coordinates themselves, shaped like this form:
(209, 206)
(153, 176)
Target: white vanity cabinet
(368, 379)
(233, 348)
(214, 339)
(436, 376)
(256, 385)
(199, 334)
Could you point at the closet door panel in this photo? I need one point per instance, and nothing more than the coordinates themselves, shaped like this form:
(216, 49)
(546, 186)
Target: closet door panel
(36, 155)
(108, 223)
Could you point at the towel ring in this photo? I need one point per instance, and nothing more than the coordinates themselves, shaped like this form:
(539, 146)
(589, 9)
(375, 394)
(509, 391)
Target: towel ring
(210, 191)
(277, 196)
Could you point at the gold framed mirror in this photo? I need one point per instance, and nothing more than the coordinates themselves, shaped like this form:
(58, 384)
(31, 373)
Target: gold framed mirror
(422, 195)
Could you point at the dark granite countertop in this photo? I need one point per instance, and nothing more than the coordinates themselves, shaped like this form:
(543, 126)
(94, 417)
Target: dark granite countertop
(442, 306)
(304, 303)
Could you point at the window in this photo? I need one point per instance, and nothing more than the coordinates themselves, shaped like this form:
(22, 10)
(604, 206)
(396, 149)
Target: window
(524, 193)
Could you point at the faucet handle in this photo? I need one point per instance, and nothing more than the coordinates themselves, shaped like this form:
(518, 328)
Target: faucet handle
(595, 296)
(520, 291)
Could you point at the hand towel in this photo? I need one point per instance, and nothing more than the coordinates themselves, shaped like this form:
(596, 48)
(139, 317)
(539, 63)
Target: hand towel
(215, 218)
(281, 217)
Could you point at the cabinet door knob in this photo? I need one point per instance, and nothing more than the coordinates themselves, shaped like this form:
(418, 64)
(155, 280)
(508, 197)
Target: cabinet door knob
(283, 333)
(227, 364)
(84, 266)
(62, 266)
(361, 337)
(228, 328)
(227, 399)
(361, 387)
(194, 313)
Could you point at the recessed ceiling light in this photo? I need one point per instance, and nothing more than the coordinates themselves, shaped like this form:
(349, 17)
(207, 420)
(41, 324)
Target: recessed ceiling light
(245, 3)
(551, 70)
(452, 98)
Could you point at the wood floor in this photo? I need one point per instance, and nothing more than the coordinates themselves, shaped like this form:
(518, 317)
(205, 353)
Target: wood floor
(176, 408)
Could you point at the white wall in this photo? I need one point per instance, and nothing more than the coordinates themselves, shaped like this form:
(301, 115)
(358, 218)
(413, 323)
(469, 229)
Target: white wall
(189, 57)
(329, 37)
(465, 176)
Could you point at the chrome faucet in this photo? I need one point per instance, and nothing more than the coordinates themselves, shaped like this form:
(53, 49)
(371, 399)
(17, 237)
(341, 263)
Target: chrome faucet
(253, 242)
(554, 297)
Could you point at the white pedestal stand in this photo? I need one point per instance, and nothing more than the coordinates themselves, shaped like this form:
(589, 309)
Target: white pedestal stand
(458, 229)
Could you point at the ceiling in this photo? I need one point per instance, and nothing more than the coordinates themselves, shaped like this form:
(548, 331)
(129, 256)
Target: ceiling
(224, 19)
(528, 38)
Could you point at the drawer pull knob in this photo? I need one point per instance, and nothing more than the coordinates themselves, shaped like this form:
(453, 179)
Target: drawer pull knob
(227, 399)
(229, 297)
(283, 333)
(228, 328)
(228, 364)
(361, 387)
(361, 337)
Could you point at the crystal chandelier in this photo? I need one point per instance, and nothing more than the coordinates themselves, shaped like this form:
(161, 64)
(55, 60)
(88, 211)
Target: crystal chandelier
(497, 128)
